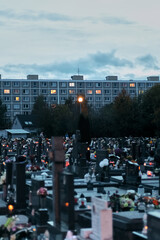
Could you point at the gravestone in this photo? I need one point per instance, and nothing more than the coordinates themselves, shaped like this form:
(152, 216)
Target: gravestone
(101, 221)
(20, 185)
(66, 201)
(132, 173)
(153, 225)
(36, 184)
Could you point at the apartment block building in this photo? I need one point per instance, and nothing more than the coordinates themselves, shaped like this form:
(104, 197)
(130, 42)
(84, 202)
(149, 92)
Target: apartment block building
(19, 95)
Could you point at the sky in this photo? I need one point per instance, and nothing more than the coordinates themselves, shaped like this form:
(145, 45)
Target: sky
(55, 38)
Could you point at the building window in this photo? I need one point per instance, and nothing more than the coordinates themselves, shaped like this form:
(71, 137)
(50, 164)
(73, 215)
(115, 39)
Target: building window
(44, 84)
(98, 91)
(53, 91)
(25, 99)
(115, 85)
(90, 99)
(89, 84)
(53, 84)
(106, 91)
(7, 99)
(16, 99)
(98, 84)
(53, 98)
(132, 91)
(71, 84)
(124, 85)
(8, 106)
(98, 99)
(132, 84)
(44, 91)
(107, 84)
(16, 84)
(107, 99)
(25, 91)
(35, 91)
(140, 84)
(115, 92)
(6, 91)
(63, 92)
(63, 98)
(25, 106)
(6, 83)
(16, 106)
(63, 84)
(26, 84)
(15, 91)
(141, 91)
(89, 91)
(71, 91)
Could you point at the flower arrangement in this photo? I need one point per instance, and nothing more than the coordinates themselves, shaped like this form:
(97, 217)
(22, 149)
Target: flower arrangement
(122, 203)
(33, 168)
(42, 192)
(152, 200)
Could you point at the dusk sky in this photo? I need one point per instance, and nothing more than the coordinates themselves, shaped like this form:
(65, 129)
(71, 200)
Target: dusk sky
(101, 37)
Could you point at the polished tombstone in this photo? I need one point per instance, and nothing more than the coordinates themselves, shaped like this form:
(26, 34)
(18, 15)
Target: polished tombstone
(36, 183)
(66, 200)
(153, 225)
(132, 174)
(20, 185)
(124, 223)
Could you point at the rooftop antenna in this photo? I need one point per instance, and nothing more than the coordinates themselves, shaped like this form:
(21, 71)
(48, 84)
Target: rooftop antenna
(78, 70)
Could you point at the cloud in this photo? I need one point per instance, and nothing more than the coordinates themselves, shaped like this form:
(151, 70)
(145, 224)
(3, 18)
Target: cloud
(88, 65)
(148, 61)
(116, 21)
(34, 16)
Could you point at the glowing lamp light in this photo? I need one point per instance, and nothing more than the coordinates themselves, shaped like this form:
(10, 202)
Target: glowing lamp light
(67, 204)
(88, 149)
(10, 207)
(149, 173)
(34, 230)
(144, 164)
(67, 163)
(80, 99)
(150, 163)
(146, 227)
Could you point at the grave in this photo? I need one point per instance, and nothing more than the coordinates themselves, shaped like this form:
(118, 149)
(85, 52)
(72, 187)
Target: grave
(101, 222)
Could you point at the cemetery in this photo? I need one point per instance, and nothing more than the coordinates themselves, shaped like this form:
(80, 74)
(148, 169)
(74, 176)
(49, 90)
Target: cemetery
(63, 188)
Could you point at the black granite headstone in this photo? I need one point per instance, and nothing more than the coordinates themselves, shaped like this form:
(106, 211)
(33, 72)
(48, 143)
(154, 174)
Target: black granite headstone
(20, 185)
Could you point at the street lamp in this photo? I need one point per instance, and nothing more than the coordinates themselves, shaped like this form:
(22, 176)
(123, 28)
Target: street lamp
(80, 100)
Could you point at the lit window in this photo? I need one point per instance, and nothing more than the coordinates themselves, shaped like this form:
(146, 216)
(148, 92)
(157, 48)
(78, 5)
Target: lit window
(6, 91)
(89, 91)
(141, 91)
(98, 91)
(71, 84)
(53, 91)
(71, 91)
(132, 84)
(17, 99)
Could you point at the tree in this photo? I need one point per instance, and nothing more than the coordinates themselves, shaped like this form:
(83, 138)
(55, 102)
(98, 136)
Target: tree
(3, 120)
(44, 115)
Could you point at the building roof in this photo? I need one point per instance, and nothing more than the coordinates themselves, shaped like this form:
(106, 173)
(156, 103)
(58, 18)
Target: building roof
(28, 121)
(17, 131)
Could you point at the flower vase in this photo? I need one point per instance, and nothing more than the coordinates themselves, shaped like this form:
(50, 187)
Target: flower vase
(42, 202)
